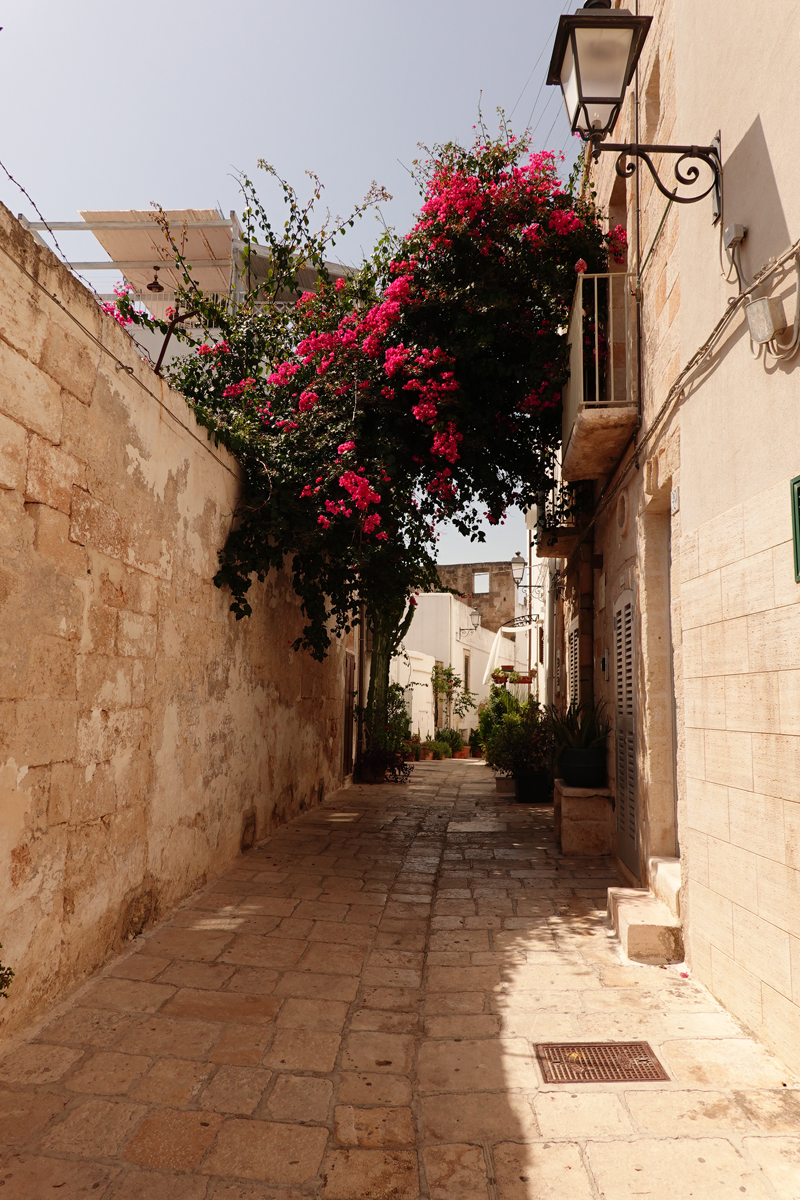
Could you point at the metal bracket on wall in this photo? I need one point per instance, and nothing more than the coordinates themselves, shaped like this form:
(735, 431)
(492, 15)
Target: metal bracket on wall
(686, 171)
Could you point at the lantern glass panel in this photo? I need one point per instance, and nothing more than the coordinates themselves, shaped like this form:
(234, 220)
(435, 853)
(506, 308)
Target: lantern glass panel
(569, 85)
(603, 56)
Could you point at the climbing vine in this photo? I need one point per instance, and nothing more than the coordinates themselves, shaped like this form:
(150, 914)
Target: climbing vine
(422, 387)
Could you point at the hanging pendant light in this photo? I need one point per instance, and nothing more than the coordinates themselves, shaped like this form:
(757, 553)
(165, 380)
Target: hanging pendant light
(154, 285)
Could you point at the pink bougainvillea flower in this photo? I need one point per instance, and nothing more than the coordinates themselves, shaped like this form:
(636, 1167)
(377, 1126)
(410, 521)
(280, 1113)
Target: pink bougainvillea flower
(345, 446)
(581, 265)
(236, 389)
(307, 401)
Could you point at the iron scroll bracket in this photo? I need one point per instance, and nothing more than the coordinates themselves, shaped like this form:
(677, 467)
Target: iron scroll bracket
(686, 170)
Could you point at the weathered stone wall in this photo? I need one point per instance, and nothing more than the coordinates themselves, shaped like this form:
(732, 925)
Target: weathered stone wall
(144, 732)
(496, 606)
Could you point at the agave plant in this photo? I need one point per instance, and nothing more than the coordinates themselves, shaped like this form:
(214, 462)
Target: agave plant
(583, 726)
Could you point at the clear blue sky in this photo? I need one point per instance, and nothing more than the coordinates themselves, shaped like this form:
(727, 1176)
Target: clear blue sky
(110, 105)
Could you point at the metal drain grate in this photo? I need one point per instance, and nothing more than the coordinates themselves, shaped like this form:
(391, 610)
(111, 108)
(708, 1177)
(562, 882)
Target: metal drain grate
(598, 1062)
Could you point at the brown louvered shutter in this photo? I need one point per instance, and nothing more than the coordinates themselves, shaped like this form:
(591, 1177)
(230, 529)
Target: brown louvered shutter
(573, 673)
(625, 732)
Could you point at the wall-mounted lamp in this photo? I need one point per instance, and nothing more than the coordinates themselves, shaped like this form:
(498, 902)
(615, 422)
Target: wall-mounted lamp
(475, 618)
(594, 58)
(518, 566)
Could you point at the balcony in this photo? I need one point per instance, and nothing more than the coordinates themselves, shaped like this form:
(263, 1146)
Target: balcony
(599, 403)
(556, 520)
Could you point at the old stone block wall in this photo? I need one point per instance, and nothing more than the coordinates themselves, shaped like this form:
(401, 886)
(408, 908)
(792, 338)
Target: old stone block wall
(496, 606)
(144, 732)
(741, 650)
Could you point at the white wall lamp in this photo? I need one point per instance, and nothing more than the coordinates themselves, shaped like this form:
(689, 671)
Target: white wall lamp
(518, 566)
(594, 58)
(475, 618)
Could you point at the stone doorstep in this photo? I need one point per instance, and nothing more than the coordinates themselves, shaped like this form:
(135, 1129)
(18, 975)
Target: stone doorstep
(665, 882)
(647, 930)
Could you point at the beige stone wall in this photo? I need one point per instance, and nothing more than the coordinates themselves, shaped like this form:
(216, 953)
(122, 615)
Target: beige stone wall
(741, 642)
(143, 730)
(717, 574)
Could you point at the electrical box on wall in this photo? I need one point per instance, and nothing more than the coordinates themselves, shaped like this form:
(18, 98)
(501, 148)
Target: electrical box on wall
(765, 318)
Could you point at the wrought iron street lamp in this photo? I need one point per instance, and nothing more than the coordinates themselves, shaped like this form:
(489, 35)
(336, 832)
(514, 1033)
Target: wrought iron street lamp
(594, 58)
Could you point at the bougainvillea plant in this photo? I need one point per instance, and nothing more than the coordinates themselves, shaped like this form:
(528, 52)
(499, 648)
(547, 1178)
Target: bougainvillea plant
(423, 387)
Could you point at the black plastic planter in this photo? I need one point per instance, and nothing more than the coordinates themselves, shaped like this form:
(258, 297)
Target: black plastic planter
(583, 768)
(534, 787)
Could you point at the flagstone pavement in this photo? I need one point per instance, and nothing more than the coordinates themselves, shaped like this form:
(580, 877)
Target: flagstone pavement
(348, 1012)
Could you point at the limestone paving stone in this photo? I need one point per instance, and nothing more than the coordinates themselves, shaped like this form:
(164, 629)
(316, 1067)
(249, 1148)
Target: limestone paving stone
(222, 1006)
(158, 1185)
(374, 1126)
(456, 1171)
(108, 1073)
(175, 1082)
(273, 1152)
(24, 1114)
(94, 1129)
(173, 1139)
(302, 1050)
(27, 1176)
(38, 1064)
(300, 1098)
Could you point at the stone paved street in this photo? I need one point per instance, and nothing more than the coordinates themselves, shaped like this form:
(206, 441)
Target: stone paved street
(348, 1013)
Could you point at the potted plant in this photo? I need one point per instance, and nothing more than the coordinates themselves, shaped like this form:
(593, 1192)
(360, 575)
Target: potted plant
(455, 741)
(475, 743)
(580, 735)
(520, 746)
(426, 750)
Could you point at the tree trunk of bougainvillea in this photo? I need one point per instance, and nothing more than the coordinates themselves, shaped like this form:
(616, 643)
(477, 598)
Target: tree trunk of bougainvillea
(389, 626)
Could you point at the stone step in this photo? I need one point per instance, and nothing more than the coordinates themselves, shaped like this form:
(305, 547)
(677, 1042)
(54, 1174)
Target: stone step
(648, 931)
(665, 882)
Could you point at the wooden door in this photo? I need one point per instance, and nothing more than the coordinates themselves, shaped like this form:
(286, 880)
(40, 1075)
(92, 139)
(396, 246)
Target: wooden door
(625, 732)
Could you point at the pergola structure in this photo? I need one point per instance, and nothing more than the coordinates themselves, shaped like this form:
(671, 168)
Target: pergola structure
(139, 249)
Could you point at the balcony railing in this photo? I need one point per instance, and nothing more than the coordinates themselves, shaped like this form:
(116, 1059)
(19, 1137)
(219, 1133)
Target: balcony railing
(556, 520)
(599, 403)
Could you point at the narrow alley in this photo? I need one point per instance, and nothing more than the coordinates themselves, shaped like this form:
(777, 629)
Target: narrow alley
(348, 1012)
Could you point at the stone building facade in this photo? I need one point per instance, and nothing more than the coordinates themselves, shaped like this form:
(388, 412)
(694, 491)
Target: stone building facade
(145, 734)
(687, 542)
(487, 586)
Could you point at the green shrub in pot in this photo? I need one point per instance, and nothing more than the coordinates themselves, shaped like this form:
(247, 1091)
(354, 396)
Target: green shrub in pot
(521, 744)
(453, 738)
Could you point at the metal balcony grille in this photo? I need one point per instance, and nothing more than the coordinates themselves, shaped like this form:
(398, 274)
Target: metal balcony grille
(602, 358)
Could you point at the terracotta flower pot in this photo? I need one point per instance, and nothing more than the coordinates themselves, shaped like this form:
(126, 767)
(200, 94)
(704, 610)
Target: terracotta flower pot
(462, 753)
(425, 755)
